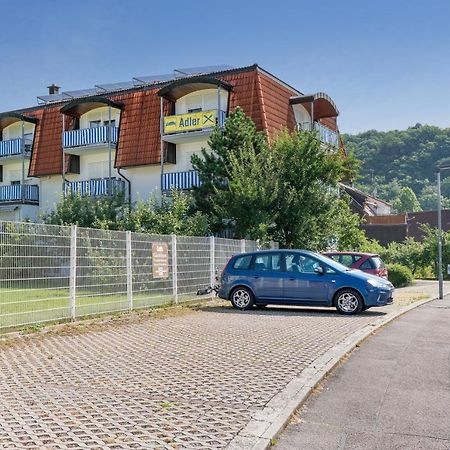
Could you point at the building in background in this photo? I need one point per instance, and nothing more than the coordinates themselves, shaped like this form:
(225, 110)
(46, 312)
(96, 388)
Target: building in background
(138, 137)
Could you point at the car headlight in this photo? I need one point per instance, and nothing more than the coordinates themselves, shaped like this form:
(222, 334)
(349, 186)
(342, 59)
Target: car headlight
(377, 284)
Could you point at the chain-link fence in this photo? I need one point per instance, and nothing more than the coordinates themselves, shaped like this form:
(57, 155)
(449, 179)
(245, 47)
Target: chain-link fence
(50, 273)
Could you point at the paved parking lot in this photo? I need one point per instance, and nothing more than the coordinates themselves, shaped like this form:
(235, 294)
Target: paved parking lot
(187, 381)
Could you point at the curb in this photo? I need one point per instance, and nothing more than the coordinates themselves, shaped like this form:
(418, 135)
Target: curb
(266, 424)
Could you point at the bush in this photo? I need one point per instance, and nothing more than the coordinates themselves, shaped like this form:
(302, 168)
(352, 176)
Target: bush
(400, 276)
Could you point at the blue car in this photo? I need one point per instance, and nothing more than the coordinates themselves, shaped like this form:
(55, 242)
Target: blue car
(300, 277)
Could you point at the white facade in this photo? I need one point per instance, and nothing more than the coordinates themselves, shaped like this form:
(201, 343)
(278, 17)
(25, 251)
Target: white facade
(96, 161)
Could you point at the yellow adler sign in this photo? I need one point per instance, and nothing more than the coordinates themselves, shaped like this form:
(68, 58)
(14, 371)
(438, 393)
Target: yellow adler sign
(190, 121)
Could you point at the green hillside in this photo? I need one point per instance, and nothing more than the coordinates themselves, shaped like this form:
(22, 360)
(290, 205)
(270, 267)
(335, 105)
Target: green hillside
(393, 161)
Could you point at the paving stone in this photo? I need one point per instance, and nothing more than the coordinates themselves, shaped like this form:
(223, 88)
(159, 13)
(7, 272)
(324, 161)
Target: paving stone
(190, 381)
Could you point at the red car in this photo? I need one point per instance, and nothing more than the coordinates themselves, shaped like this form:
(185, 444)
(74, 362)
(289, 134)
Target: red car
(367, 262)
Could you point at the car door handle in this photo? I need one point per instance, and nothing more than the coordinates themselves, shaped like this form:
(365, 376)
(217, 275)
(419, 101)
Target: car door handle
(292, 278)
(255, 277)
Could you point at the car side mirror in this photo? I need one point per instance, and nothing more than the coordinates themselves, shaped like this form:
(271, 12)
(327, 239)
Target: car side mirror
(319, 270)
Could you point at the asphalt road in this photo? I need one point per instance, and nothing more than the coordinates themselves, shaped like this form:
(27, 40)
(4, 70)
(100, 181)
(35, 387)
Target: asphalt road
(392, 393)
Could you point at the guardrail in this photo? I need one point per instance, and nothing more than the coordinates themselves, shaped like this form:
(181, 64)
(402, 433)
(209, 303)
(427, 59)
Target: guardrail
(15, 192)
(180, 180)
(13, 147)
(95, 187)
(90, 136)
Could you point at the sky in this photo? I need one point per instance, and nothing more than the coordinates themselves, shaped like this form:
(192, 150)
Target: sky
(386, 64)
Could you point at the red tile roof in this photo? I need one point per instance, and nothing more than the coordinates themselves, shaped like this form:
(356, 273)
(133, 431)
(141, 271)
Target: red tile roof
(46, 158)
(262, 97)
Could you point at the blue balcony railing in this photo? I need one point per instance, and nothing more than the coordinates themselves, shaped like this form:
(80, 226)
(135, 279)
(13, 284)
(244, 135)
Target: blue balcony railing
(15, 192)
(13, 147)
(180, 180)
(96, 187)
(89, 136)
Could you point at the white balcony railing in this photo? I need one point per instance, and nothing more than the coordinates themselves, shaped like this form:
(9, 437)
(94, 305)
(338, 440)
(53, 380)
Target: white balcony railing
(13, 147)
(18, 192)
(325, 134)
(95, 187)
(89, 136)
(180, 180)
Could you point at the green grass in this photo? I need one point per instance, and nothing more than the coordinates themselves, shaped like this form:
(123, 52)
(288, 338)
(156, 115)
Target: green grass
(25, 307)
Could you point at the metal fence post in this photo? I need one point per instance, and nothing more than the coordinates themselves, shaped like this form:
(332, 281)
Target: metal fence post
(174, 268)
(129, 272)
(242, 245)
(73, 271)
(212, 250)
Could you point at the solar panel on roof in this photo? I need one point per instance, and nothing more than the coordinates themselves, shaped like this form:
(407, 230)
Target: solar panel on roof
(153, 78)
(52, 98)
(115, 86)
(81, 93)
(205, 69)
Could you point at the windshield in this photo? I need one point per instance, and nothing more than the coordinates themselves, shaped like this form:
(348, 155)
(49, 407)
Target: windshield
(330, 262)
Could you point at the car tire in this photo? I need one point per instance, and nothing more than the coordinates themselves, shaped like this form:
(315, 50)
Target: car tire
(242, 298)
(348, 302)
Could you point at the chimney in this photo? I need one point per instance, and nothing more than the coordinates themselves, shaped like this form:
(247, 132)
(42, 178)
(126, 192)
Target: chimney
(53, 89)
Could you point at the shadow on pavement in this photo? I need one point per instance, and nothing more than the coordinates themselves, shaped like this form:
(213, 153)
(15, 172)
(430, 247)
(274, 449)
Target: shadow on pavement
(285, 311)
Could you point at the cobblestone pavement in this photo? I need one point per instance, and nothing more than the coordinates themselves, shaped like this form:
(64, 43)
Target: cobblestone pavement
(189, 381)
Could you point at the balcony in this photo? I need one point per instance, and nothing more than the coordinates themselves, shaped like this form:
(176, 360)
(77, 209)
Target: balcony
(13, 147)
(17, 193)
(95, 188)
(325, 134)
(89, 137)
(191, 126)
(180, 180)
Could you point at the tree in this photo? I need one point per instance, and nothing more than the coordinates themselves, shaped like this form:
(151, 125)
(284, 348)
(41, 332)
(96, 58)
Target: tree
(248, 200)
(173, 215)
(310, 213)
(213, 166)
(102, 212)
(406, 201)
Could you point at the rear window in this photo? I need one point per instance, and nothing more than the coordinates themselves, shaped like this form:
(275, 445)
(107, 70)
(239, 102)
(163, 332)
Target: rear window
(377, 263)
(242, 262)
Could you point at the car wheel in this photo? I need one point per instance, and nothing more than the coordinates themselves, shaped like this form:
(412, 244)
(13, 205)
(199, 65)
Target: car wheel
(242, 298)
(349, 302)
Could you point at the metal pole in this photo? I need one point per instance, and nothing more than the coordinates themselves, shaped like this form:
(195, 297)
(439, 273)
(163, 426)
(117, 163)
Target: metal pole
(109, 156)
(73, 271)
(219, 121)
(22, 148)
(63, 157)
(174, 268)
(129, 272)
(212, 249)
(161, 131)
(312, 116)
(440, 276)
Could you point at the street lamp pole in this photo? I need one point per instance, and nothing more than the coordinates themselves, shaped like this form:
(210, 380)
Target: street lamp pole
(440, 276)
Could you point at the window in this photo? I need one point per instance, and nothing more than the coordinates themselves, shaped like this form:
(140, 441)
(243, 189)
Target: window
(106, 123)
(15, 183)
(268, 262)
(95, 123)
(295, 262)
(367, 264)
(243, 262)
(1, 174)
(377, 263)
(347, 260)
